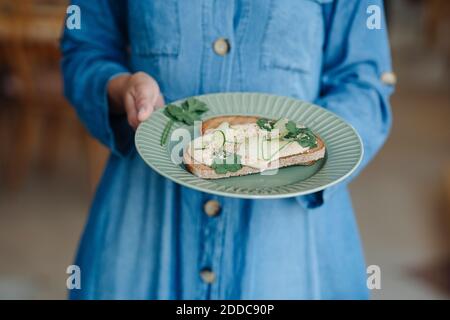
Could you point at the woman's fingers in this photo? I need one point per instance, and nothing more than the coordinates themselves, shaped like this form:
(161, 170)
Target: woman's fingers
(148, 104)
(144, 108)
(131, 110)
(159, 101)
(141, 98)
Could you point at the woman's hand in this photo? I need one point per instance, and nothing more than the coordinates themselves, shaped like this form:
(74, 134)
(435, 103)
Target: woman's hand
(137, 95)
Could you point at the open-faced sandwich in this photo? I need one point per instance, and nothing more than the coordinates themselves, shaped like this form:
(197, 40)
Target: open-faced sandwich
(239, 145)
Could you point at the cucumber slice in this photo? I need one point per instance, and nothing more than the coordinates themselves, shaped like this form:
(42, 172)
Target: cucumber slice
(281, 126)
(218, 139)
(270, 148)
(265, 149)
(275, 153)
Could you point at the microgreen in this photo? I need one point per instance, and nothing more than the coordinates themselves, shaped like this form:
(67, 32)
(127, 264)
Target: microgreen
(265, 124)
(227, 163)
(189, 112)
(303, 136)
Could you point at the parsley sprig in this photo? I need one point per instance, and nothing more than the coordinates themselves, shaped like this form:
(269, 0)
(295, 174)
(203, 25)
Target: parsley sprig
(265, 124)
(189, 112)
(304, 136)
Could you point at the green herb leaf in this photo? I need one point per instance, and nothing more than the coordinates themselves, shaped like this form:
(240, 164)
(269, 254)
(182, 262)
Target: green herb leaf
(196, 106)
(174, 112)
(189, 112)
(229, 163)
(265, 124)
(292, 129)
(166, 131)
(188, 119)
(304, 136)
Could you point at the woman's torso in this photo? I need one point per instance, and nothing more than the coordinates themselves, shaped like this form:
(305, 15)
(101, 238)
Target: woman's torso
(150, 238)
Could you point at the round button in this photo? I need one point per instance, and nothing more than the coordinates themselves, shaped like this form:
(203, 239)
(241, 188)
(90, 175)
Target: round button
(207, 275)
(221, 46)
(212, 208)
(389, 78)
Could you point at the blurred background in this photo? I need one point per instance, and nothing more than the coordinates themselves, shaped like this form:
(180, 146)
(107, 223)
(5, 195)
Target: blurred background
(49, 166)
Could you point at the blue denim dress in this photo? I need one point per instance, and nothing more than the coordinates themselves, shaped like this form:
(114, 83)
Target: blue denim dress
(149, 238)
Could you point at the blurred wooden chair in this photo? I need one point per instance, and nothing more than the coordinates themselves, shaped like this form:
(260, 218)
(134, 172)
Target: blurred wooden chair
(29, 34)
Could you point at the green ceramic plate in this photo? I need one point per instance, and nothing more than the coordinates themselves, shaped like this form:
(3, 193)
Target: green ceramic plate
(343, 148)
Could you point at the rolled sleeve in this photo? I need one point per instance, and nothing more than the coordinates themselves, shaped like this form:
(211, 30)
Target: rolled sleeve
(92, 56)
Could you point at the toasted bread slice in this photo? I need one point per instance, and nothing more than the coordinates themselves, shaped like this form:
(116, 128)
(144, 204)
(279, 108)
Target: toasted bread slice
(203, 171)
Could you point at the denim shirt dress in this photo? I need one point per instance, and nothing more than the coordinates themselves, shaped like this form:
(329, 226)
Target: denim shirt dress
(149, 238)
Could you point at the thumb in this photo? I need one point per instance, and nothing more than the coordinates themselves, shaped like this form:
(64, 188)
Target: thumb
(159, 103)
(144, 108)
(147, 105)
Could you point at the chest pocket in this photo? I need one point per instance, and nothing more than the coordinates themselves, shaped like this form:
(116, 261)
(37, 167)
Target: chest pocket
(154, 27)
(294, 34)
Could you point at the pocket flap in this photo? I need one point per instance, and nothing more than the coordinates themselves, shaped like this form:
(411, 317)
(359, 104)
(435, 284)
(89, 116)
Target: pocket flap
(294, 34)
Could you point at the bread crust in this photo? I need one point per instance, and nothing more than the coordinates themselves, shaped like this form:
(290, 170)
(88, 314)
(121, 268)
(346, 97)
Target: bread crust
(203, 171)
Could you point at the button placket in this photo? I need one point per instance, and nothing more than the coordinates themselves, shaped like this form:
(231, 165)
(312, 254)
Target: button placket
(218, 51)
(212, 235)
